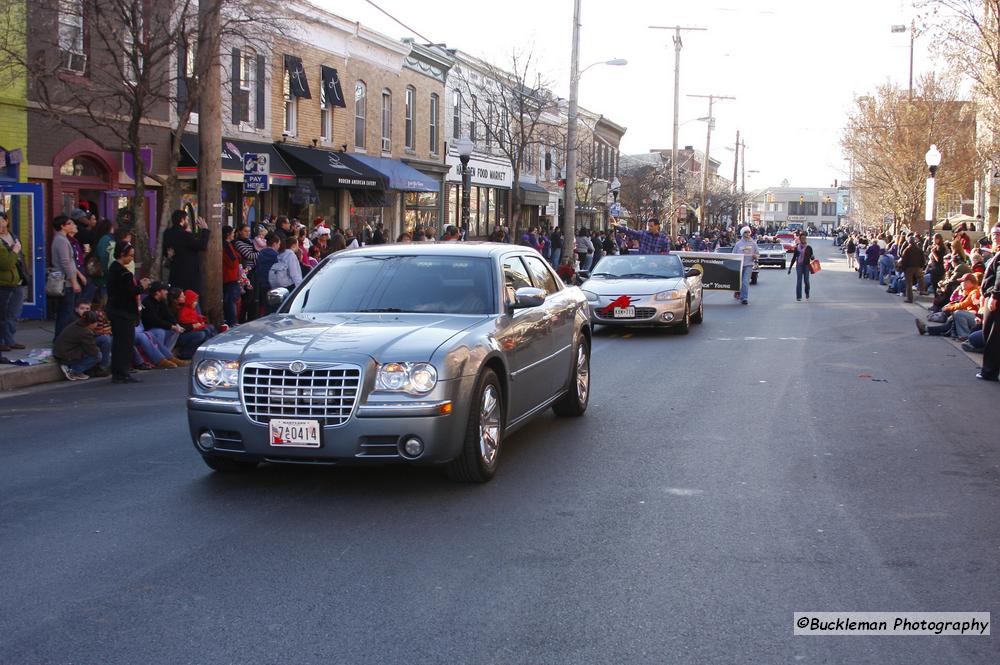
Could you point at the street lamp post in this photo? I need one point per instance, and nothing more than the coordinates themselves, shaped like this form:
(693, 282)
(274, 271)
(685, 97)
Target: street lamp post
(569, 220)
(655, 198)
(933, 160)
(465, 147)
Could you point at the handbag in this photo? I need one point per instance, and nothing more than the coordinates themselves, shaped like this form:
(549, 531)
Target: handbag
(814, 266)
(55, 283)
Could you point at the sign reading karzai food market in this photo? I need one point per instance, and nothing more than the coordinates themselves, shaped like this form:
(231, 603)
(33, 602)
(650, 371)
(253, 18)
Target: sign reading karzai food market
(719, 272)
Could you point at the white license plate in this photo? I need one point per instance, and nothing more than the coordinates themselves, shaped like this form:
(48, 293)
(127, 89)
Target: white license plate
(624, 312)
(295, 433)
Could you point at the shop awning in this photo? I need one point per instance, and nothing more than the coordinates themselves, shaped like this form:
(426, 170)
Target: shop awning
(401, 177)
(333, 169)
(232, 158)
(533, 195)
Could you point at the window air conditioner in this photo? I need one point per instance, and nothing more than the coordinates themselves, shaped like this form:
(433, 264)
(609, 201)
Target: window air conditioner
(74, 62)
(386, 145)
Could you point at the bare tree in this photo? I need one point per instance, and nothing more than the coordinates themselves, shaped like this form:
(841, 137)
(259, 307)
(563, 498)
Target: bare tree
(507, 110)
(887, 135)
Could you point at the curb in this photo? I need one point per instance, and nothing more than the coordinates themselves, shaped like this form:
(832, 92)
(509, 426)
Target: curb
(925, 306)
(15, 378)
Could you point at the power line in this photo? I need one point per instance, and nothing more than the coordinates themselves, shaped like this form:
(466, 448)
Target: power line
(429, 41)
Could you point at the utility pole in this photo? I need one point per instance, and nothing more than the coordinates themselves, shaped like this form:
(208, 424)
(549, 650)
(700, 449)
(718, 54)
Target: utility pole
(743, 180)
(736, 166)
(678, 44)
(569, 219)
(913, 35)
(708, 144)
(210, 149)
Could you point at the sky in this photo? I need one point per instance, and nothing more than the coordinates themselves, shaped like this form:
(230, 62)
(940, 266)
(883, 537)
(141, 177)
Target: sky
(794, 66)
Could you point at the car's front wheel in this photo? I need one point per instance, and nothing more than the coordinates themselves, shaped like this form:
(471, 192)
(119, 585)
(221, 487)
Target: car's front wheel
(574, 402)
(483, 434)
(685, 325)
(227, 464)
(699, 316)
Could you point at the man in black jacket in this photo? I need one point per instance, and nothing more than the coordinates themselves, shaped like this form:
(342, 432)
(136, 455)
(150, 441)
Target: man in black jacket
(912, 260)
(157, 318)
(184, 250)
(991, 306)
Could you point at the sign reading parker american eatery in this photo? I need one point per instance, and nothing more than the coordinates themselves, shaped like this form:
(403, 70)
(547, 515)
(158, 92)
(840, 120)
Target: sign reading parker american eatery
(491, 174)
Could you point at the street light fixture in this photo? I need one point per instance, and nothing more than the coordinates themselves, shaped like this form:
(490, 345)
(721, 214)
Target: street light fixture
(655, 198)
(569, 220)
(465, 147)
(933, 160)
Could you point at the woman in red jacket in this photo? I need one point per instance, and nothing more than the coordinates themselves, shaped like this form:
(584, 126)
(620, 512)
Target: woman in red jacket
(231, 290)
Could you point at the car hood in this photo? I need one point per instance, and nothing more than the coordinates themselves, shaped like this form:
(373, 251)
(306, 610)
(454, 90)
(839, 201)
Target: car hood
(635, 287)
(340, 337)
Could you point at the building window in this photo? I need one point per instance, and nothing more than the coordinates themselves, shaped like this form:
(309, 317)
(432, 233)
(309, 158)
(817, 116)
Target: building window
(247, 80)
(472, 121)
(386, 121)
(490, 120)
(456, 115)
(132, 51)
(360, 107)
(435, 102)
(411, 95)
(503, 129)
(71, 36)
(810, 208)
(325, 114)
(291, 105)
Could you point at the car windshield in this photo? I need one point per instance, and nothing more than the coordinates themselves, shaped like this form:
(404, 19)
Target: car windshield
(399, 284)
(640, 266)
(770, 247)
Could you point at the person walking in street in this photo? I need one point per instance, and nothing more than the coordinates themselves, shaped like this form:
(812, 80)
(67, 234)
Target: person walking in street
(850, 249)
(651, 241)
(63, 259)
(123, 312)
(13, 279)
(802, 257)
(912, 263)
(990, 370)
(746, 247)
(184, 249)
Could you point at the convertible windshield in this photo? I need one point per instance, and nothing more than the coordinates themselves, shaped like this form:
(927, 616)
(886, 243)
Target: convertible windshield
(399, 284)
(639, 266)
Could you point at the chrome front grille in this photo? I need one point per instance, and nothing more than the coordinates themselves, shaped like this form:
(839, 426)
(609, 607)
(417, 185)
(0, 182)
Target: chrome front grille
(327, 393)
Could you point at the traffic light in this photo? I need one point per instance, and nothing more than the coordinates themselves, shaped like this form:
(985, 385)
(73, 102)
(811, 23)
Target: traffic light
(802, 199)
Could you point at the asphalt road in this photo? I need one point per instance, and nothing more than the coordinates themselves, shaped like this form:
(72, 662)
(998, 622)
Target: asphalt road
(782, 457)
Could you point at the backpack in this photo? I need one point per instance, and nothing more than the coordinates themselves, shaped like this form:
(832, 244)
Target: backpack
(265, 260)
(278, 275)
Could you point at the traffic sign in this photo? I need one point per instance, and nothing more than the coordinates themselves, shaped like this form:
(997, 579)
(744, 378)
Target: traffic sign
(256, 169)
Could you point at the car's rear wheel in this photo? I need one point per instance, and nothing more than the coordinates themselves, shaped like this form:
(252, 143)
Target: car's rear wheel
(483, 434)
(574, 402)
(227, 464)
(699, 316)
(684, 326)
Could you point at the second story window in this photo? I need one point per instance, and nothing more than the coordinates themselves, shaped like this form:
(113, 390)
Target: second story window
(472, 120)
(411, 95)
(456, 115)
(386, 121)
(490, 120)
(71, 43)
(435, 103)
(360, 108)
(248, 84)
(291, 106)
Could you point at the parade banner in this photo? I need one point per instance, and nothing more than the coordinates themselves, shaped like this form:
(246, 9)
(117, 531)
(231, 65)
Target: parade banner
(719, 272)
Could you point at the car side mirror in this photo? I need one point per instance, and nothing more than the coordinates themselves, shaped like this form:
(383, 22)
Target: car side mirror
(691, 272)
(276, 296)
(528, 296)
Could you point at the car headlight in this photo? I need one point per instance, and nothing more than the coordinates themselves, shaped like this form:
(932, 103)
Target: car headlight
(668, 295)
(591, 296)
(212, 374)
(413, 378)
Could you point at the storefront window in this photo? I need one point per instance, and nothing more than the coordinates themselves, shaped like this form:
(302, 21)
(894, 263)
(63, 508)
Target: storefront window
(421, 210)
(81, 167)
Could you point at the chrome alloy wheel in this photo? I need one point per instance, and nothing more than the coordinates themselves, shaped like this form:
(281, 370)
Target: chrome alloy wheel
(582, 374)
(489, 425)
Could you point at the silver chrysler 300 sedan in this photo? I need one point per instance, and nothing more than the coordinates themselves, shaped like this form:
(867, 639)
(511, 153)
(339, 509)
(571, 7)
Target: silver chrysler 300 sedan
(411, 353)
(644, 290)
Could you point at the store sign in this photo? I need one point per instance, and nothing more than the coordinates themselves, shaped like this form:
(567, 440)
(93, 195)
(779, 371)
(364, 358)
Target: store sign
(483, 173)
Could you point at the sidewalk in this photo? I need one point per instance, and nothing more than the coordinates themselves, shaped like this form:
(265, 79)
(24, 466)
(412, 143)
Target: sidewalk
(36, 336)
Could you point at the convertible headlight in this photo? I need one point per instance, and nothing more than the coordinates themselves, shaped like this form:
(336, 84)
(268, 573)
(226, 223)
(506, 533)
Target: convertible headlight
(591, 296)
(668, 295)
(413, 378)
(212, 374)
